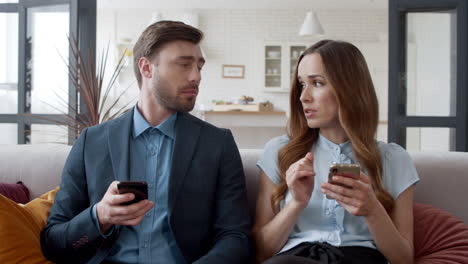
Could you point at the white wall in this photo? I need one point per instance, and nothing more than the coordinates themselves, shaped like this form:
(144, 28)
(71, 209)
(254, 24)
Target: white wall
(237, 36)
(244, 4)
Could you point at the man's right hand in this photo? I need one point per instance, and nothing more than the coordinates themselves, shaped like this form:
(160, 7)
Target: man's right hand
(300, 180)
(110, 211)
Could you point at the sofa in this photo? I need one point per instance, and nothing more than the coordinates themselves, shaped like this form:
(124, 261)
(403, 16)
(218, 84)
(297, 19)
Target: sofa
(441, 197)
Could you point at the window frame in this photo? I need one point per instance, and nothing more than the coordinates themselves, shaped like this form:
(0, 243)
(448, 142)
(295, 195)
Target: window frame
(398, 119)
(83, 28)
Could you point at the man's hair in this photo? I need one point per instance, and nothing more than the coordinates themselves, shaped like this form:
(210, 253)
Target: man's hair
(157, 35)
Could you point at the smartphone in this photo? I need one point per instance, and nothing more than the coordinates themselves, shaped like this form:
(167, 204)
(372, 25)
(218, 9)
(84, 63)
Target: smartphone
(346, 170)
(138, 188)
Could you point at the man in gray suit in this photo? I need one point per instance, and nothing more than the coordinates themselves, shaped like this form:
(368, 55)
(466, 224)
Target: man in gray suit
(196, 209)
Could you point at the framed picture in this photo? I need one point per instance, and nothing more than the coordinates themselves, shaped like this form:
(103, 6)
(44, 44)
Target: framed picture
(233, 71)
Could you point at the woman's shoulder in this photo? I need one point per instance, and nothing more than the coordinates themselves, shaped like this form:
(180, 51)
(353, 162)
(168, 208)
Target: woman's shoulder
(268, 162)
(392, 151)
(399, 172)
(277, 143)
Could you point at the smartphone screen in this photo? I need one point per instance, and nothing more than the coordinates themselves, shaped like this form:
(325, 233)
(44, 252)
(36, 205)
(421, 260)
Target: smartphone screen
(138, 188)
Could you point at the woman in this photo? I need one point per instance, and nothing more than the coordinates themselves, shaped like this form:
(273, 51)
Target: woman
(333, 119)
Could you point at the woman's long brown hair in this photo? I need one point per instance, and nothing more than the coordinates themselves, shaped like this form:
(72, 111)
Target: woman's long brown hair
(358, 114)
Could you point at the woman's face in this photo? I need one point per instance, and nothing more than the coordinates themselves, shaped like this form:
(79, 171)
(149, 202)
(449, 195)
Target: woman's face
(317, 98)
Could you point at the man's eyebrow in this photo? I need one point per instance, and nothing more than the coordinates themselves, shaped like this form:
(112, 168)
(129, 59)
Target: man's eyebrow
(191, 58)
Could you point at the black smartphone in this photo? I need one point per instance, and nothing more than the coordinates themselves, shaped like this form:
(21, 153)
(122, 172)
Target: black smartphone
(138, 188)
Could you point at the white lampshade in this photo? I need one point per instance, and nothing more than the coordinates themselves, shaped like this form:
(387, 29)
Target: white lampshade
(311, 25)
(191, 19)
(155, 17)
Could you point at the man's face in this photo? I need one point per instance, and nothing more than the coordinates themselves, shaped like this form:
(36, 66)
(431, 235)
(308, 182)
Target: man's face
(176, 75)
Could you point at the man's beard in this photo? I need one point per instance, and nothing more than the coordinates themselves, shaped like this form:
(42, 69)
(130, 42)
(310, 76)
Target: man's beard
(176, 103)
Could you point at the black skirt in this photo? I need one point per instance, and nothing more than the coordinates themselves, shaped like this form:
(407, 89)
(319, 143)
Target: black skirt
(324, 253)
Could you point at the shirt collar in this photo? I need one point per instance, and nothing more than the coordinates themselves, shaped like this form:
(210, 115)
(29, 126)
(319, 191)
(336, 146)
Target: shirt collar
(140, 125)
(325, 144)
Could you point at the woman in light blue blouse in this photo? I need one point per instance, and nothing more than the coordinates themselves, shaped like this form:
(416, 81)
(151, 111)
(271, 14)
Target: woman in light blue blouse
(333, 119)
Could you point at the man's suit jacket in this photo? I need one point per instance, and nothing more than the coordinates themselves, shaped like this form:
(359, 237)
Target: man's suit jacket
(207, 200)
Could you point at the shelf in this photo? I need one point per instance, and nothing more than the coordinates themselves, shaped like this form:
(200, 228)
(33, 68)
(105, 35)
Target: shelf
(245, 113)
(261, 119)
(276, 90)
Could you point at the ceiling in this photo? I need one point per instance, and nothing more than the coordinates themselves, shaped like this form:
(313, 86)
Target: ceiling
(244, 4)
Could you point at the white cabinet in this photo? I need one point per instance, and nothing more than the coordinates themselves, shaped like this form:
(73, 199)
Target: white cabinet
(273, 62)
(279, 61)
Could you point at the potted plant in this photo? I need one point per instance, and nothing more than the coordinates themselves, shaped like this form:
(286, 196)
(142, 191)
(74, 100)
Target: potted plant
(88, 79)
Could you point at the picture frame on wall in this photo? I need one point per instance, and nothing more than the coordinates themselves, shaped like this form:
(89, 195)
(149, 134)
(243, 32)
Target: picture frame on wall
(233, 71)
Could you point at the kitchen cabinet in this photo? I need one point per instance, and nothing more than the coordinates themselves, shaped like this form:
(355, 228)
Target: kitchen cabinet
(279, 61)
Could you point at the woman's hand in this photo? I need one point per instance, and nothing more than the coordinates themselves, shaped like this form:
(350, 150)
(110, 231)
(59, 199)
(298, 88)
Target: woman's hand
(358, 198)
(300, 180)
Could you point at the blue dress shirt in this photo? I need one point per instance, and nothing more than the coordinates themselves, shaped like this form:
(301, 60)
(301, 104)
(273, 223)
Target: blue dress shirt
(152, 240)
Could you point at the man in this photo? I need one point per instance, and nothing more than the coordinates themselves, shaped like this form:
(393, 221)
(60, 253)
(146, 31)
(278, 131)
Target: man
(196, 209)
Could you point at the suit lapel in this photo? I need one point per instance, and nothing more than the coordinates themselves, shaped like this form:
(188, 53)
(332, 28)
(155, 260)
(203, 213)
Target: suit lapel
(187, 133)
(119, 145)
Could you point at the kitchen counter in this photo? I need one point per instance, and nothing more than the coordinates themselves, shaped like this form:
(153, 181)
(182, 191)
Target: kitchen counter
(245, 112)
(246, 118)
(251, 129)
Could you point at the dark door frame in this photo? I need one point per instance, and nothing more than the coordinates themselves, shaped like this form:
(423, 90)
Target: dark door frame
(398, 121)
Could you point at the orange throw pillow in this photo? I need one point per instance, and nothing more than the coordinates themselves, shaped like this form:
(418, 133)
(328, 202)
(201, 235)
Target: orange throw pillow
(20, 228)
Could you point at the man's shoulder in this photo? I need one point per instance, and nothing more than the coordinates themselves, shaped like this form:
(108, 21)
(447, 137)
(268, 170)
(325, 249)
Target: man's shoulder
(98, 133)
(113, 122)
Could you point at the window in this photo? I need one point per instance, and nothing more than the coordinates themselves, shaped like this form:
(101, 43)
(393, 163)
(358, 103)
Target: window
(34, 86)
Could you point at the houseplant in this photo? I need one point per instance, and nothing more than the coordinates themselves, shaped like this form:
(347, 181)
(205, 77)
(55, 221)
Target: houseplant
(87, 78)
(94, 104)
